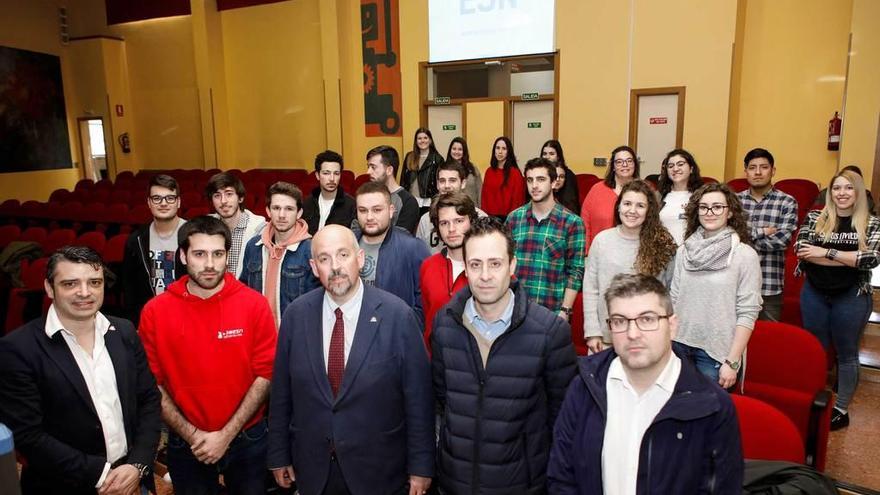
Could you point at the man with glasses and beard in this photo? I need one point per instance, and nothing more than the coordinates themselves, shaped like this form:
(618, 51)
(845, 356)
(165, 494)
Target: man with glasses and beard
(150, 262)
(392, 256)
(210, 341)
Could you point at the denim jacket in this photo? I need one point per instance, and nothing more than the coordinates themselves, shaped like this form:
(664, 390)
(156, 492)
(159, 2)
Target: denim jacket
(295, 273)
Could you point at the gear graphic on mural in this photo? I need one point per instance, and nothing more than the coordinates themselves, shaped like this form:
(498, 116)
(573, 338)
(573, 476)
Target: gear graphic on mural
(369, 78)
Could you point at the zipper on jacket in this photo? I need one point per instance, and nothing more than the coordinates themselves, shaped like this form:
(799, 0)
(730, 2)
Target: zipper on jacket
(146, 266)
(712, 472)
(650, 461)
(477, 432)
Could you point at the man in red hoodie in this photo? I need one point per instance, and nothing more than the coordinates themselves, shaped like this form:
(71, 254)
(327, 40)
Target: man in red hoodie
(210, 341)
(442, 275)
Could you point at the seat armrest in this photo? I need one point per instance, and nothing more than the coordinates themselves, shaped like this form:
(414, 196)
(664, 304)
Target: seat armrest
(821, 401)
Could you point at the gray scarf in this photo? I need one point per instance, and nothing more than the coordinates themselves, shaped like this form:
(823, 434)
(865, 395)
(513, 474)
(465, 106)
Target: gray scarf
(709, 253)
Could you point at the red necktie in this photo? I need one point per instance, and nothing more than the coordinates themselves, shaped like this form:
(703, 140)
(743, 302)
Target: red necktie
(336, 357)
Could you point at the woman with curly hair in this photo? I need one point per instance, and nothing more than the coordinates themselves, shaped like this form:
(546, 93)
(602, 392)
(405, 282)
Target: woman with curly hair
(838, 247)
(716, 284)
(458, 151)
(679, 177)
(419, 176)
(638, 243)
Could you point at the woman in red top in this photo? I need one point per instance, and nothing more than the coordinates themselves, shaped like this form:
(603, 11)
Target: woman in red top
(598, 208)
(503, 185)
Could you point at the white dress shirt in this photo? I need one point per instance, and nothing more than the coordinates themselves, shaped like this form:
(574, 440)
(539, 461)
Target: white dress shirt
(629, 416)
(350, 313)
(100, 377)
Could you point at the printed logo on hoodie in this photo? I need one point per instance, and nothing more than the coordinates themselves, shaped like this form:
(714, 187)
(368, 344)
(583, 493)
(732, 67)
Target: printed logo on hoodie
(230, 334)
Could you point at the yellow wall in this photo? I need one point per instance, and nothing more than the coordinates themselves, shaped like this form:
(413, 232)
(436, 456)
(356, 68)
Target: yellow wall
(666, 53)
(485, 122)
(274, 84)
(164, 92)
(593, 41)
(862, 111)
(34, 26)
(792, 79)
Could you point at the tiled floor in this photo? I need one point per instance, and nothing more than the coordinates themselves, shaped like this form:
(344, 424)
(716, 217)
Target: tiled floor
(853, 453)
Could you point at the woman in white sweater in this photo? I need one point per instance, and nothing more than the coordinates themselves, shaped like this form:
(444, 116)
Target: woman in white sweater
(716, 284)
(679, 177)
(638, 243)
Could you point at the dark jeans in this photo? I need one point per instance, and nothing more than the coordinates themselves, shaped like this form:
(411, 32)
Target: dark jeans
(243, 466)
(838, 320)
(771, 310)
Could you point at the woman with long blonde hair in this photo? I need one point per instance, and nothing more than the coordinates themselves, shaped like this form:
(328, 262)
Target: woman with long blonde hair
(837, 247)
(638, 243)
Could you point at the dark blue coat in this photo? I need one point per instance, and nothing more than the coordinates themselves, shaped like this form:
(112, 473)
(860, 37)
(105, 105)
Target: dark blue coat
(692, 446)
(496, 421)
(382, 421)
(400, 258)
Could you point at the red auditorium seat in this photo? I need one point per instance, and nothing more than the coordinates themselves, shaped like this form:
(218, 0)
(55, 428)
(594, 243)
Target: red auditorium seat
(358, 182)
(346, 179)
(58, 238)
(85, 184)
(577, 325)
(9, 208)
(93, 239)
(308, 183)
(139, 215)
(114, 249)
(34, 234)
(60, 196)
(124, 176)
(803, 191)
(102, 196)
(104, 184)
(196, 211)
(191, 198)
(786, 367)
(791, 289)
(8, 233)
(24, 300)
(120, 196)
(709, 180)
(738, 184)
(766, 432)
(585, 183)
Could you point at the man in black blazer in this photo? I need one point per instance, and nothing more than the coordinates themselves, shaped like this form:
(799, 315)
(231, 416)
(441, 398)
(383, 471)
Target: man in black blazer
(76, 389)
(352, 410)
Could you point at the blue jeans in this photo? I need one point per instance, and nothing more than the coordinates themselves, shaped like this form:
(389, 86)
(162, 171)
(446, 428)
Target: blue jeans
(838, 320)
(243, 466)
(705, 364)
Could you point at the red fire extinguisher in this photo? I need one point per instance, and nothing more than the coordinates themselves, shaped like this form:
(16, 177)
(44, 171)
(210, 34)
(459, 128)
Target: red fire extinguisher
(834, 133)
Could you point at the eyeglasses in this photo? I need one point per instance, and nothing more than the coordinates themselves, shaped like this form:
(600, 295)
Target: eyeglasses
(169, 198)
(680, 164)
(716, 210)
(621, 161)
(647, 322)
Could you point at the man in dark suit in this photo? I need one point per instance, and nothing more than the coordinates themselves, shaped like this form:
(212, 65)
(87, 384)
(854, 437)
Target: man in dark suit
(76, 389)
(351, 409)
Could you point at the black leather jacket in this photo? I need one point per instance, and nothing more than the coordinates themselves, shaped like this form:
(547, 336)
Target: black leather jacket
(426, 175)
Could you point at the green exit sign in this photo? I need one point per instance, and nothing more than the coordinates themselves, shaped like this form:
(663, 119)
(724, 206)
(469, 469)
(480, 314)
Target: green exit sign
(530, 96)
(442, 100)
(448, 127)
(534, 125)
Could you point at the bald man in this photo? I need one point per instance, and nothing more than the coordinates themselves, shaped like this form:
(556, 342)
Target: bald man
(345, 353)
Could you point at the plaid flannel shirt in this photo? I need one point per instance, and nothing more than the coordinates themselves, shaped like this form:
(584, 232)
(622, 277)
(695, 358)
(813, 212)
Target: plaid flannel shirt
(866, 261)
(776, 209)
(549, 253)
(237, 241)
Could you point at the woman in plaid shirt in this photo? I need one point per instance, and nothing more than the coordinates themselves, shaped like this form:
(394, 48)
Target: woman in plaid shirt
(837, 247)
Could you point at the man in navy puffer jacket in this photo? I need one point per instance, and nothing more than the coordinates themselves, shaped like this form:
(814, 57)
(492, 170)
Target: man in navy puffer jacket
(501, 364)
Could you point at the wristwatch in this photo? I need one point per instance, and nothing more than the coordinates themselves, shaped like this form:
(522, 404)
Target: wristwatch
(143, 469)
(733, 365)
(831, 254)
(566, 310)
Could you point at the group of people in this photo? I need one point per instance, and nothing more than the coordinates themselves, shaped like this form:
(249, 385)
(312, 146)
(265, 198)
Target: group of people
(416, 336)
